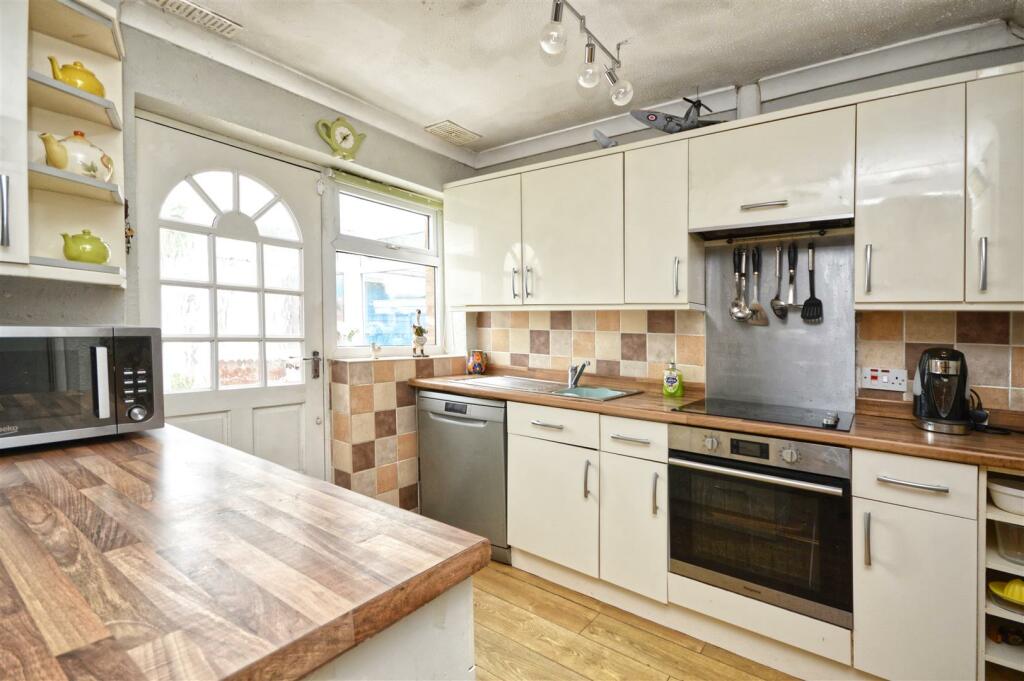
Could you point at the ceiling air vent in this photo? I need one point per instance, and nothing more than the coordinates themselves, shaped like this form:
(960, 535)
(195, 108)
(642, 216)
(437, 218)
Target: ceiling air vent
(200, 16)
(452, 132)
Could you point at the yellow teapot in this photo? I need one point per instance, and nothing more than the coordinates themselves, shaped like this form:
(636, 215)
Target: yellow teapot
(76, 75)
(86, 247)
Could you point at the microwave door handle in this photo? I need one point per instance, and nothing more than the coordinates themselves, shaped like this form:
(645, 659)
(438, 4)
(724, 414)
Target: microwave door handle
(760, 477)
(100, 382)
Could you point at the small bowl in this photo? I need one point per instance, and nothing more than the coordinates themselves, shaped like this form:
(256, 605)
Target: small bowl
(1007, 494)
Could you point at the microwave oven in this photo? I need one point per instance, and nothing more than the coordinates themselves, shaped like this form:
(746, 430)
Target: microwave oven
(62, 383)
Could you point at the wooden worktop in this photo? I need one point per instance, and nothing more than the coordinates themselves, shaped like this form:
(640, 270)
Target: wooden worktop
(897, 435)
(168, 556)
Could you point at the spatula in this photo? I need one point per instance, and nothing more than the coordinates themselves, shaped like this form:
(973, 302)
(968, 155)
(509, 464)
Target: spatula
(778, 307)
(758, 317)
(812, 306)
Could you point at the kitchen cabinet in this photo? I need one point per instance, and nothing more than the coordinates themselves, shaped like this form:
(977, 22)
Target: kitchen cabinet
(482, 243)
(572, 233)
(995, 174)
(663, 262)
(909, 244)
(634, 525)
(786, 171)
(14, 227)
(553, 492)
(914, 592)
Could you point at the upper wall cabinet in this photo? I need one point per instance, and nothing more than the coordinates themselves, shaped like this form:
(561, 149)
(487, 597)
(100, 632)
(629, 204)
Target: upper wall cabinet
(482, 237)
(664, 263)
(791, 170)
(910, 198)
(995, 175)
(572, 233)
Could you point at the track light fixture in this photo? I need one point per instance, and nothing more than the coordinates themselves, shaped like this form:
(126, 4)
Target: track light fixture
(553, 40)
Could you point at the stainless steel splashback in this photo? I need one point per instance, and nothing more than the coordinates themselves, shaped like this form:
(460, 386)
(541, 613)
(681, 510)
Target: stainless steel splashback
(791, 362)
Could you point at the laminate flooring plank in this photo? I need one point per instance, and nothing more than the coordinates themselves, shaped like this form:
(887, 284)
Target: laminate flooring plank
(552, 607)
(511, 661)
(744, 664)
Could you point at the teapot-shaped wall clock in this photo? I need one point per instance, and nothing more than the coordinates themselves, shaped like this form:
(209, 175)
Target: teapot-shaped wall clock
(341, 137)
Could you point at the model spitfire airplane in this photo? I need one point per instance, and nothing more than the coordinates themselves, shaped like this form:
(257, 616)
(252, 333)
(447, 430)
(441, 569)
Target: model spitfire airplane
(672, 124)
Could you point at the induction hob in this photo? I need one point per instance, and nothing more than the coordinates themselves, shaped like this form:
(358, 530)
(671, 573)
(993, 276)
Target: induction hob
(771, 413)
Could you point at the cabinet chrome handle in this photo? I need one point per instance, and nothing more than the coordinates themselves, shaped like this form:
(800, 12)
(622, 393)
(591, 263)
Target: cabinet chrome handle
(778, 203)
(983, 245)
(867, 538)
(867, 268)
(759, 477)
(526, 282)
(939, 489)
(630, 438)
(586, 479)
(654, 496)
(675, 276)
(545, 424)
(515, 273)
(100, 382)
(5, 210)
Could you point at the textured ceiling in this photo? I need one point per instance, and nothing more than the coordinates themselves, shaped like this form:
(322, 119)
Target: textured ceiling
(477, 62)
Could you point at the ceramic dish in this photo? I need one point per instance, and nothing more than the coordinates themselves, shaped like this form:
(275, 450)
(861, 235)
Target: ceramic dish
(1009, 594)
(1007, 494)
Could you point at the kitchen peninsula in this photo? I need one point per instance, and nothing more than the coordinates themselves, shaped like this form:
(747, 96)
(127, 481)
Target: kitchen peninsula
(166, 555)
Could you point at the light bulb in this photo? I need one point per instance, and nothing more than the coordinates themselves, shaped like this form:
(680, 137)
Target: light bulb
(622, 93)
(553, 37)
(589, 74)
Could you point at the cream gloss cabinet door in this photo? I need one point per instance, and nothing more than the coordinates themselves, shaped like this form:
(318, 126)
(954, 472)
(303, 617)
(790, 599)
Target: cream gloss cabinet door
(664, 263)
(572, 233)
(909, 234)
(915, 592)
(634, 525)
(553, 492)
(14, 229)
(792, 170)
(995, 202)
(482, 238)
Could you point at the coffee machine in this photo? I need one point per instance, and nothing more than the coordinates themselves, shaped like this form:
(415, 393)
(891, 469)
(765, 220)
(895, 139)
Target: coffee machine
(941, 393)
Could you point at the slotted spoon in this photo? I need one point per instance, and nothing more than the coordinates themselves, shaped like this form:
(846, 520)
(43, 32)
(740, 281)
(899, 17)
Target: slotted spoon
(811, 311)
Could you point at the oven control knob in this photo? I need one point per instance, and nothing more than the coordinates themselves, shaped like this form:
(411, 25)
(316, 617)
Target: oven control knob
(138, 413)
(710, 443)
(790, 455)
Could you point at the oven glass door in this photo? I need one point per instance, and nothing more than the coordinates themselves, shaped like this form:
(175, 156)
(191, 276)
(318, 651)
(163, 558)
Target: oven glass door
(792, 540)
(55, 384)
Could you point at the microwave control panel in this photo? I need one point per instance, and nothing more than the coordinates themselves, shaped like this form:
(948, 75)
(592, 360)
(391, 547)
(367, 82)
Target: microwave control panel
(137, 390)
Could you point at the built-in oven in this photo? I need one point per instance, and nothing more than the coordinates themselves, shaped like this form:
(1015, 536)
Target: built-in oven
(65, 383)
(763, 517)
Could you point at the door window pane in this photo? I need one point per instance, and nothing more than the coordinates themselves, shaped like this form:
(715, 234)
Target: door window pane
(219, 186)
(378, 299)
(284, 363)
(238, 365)
(252, 195)
(282, 267)
(185, 311)
(184, 204)
(277, 223)
(283, 315)
(186, 366)
(184, 256)
(236, 262)
(368, 219)
(238, 313)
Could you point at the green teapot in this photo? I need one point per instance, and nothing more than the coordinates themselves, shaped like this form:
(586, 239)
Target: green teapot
(86, 247)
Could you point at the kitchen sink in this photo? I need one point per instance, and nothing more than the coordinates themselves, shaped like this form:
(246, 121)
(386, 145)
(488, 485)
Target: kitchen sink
(595, 393)
(536, 385)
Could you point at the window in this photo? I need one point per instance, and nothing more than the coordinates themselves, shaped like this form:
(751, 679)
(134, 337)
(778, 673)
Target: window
(231, 285)
(386, 268)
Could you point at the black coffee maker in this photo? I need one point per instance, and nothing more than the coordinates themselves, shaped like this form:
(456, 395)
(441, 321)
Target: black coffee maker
(941, 393)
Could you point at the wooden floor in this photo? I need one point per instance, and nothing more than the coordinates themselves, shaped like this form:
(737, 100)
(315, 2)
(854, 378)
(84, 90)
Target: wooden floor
(528, 628)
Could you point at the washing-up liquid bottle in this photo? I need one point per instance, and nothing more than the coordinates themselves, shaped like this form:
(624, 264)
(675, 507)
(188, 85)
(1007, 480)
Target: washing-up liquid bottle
(672, 384)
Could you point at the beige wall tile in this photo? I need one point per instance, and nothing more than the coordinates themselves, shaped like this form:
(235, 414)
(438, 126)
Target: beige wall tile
(458, 365)
(519, 340)
(405, 419)
(882, 354)
(385, 451)
(390, 497)
(633, 321)
(607, 320)
(405, 369)
(365, 482)
(407, 446)
(989, 365)
(608, 345)
(1017, 328)
(361, 398)
(384, 396)
(485, 338)
(499, 340)
(690, 350)
(690, 322)
(501, 320)
(584, 320)
(500, 359)
(540, 320)
(1017, 367)
(519, 320)
(561, 343)
(582, 343)
(408, 472)
(387, 479)
(930, 327)
(442, 367)
(633, 369)
(360, 373)
(560, 362)
(661, 347)
(341, 426)
(656, 370)
(339, 398)
(363, 428)
(341, 456)
(1017, 399)
(692, 374)
(540, 361)
(994, 398)
(383, 371)
(880, 326)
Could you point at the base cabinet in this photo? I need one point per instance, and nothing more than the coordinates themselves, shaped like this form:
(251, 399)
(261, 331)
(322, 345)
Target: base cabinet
(634, 525)
(553, 492)
(914, 592)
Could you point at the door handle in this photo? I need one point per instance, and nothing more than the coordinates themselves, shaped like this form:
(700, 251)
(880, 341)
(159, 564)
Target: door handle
(545, 424)
(939, 489)
(316, 359)
(5, 210)
(654, 496)
(675, 277)
(586, 479)
(630, 438)
(867, 268)
(457, 420)
(867, 538)
(983, 245)
(526, 282)
(515, 273)
(100, 382)
(778, 203)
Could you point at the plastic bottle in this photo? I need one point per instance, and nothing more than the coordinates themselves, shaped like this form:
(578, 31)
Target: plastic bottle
(672, 384)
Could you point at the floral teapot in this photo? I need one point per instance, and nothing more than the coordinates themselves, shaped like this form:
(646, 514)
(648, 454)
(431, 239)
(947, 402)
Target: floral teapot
(78, 155)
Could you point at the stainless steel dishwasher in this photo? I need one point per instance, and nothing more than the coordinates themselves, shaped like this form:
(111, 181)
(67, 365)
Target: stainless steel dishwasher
(463, 465)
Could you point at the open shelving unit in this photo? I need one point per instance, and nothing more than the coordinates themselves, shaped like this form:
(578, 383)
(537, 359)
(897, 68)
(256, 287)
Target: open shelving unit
(76, 24)
(997, 661)
(46, 93)
(61, 181)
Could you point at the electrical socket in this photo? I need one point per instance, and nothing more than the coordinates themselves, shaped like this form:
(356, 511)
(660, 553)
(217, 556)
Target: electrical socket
(883, 379)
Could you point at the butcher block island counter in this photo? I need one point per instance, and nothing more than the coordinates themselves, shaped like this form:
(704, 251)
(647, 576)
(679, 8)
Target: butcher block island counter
(169, 556)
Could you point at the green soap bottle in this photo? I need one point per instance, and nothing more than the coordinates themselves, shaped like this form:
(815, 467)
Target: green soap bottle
(672, 384)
